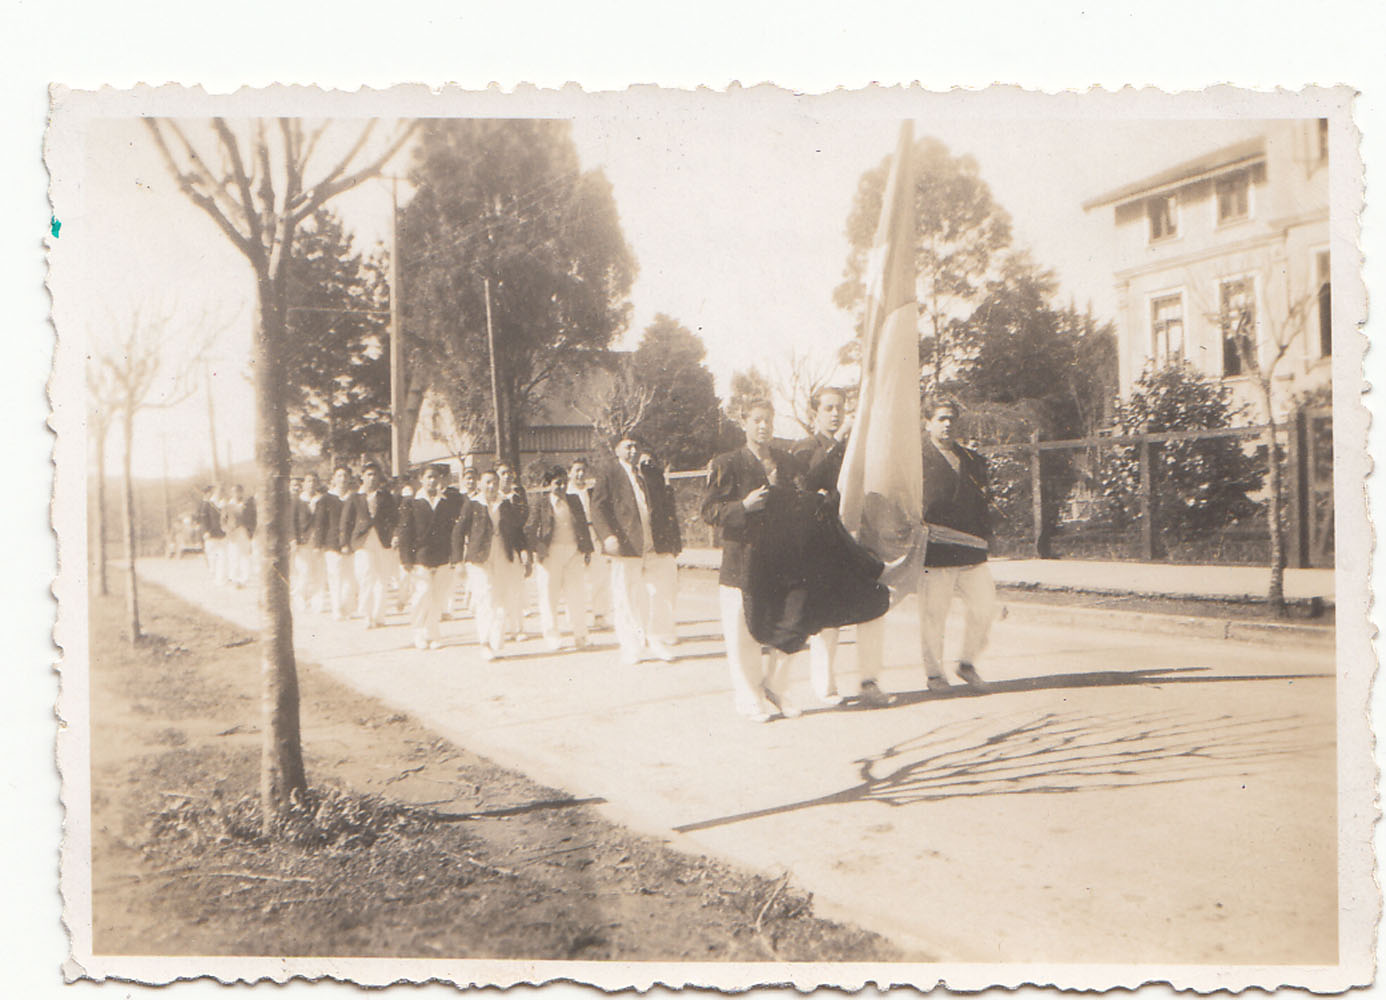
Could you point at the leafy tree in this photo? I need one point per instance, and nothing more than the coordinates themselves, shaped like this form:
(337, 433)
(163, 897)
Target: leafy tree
(959, 226)
(506, 202)
(337, 353)
(1061, 364)
(1197, 485)
(685, 420)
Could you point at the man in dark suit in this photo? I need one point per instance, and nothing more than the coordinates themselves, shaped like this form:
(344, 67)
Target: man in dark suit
(426, 552)
(820, 456)
(599, 568)
(510, 581)
(368, 524)
(213, 537)
(738, 487)
(643, 579)
(955, 559)
(310, 567)
(341, 575)
(562, 543)
(489, 539)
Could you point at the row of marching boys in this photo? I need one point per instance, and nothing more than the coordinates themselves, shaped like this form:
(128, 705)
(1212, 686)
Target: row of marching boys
(355, 545)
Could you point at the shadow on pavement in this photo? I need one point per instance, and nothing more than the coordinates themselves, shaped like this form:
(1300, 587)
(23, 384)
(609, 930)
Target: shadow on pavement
(1053, 753)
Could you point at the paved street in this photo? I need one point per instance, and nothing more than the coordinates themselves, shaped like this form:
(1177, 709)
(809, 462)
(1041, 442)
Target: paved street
(1115, 797)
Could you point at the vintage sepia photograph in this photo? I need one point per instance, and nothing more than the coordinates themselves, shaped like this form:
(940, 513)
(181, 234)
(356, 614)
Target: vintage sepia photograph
(713, 538)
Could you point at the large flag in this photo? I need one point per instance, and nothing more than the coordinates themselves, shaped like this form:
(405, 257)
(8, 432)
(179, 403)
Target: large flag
(882, 478)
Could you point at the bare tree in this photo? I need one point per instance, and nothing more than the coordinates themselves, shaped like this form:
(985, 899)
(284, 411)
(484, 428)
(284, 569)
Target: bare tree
(254, 185)
(101, 396)
(139, 359)
(616, 407)
(801, 377)
(1259, 349)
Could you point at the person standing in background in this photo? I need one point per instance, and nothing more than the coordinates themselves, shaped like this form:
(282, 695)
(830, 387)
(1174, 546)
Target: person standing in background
(213, 537)
(310, 569)
(426, 551)
(561, 540)
(624, 520)
(599, 567)
(341, 575)
(489, 539)
(368, 522)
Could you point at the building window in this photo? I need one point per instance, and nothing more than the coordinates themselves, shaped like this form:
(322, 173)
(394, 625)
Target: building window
(1234, 197)
(1167, 329)
(1164, 217)
(1237, 317)
(1323, 140)
(1325, 294)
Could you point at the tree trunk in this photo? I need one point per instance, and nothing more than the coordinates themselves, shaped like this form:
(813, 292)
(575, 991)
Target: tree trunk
(102, 585)
(1275, 596)
(132, 599)
(281, 763)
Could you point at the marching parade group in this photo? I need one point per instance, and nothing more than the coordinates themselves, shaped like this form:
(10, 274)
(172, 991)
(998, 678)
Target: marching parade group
(603, 541)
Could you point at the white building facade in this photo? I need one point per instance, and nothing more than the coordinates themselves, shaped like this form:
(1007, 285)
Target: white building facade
(1240, 232)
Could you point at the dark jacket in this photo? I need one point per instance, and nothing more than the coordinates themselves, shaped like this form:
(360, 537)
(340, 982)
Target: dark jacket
(209, 520)
(820, 457)
(472, 533)
(302, 520)
(248, 516)
(357, 522)
(327, 523)
(731, 477)
(955, 500)
(539, 528)
(615, 513)
(664, 515)
(425, 532)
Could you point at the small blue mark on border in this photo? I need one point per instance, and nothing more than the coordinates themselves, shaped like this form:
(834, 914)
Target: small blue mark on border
(55, 226)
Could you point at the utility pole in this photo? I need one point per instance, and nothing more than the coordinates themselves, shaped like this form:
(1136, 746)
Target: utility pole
(211, 422)
(495, 382)
(398, 446)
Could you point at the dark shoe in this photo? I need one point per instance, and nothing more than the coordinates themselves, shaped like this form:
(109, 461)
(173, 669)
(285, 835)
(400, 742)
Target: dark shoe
(872, 696)
(967, 673)
(939, 683)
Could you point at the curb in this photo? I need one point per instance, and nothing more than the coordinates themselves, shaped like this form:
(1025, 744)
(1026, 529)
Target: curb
(1164, 624)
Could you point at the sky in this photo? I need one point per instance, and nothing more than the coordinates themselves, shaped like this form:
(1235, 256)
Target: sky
(737, 222)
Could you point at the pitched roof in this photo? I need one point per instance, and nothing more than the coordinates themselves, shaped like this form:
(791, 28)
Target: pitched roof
(1218, 161)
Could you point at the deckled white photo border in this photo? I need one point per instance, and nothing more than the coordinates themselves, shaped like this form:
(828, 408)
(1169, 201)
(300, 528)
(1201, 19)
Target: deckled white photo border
(1358, 893)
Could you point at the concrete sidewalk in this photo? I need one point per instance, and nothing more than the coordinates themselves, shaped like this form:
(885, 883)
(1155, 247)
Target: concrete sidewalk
(1113, 798)
(1232, 583)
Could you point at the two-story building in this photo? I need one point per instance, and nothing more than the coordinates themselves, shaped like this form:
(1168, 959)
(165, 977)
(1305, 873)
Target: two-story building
(1237, 238)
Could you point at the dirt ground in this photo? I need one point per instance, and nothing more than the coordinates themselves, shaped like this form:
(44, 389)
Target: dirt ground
(408, 845)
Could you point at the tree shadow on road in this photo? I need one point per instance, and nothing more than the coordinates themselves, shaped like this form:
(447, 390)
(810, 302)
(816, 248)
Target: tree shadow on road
(1052, 753)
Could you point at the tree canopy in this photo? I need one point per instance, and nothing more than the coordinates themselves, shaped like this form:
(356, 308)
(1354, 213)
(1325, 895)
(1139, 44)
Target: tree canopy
(685, 420)
(337, 349)
(959, 228)
(506, 201)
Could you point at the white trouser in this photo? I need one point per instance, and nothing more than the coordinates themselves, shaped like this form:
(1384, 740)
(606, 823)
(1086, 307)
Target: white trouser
(643, 590)
(310, 576)
(975, 586)
(599, 584)
(823, 663)
(431, 585)
(216, 558)
(508, 588)
(560, 575)
(238, 556)
(404, 584)
(488, 613)
(341, 583)
(754, 670)
(371, 563)
(870, 649)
